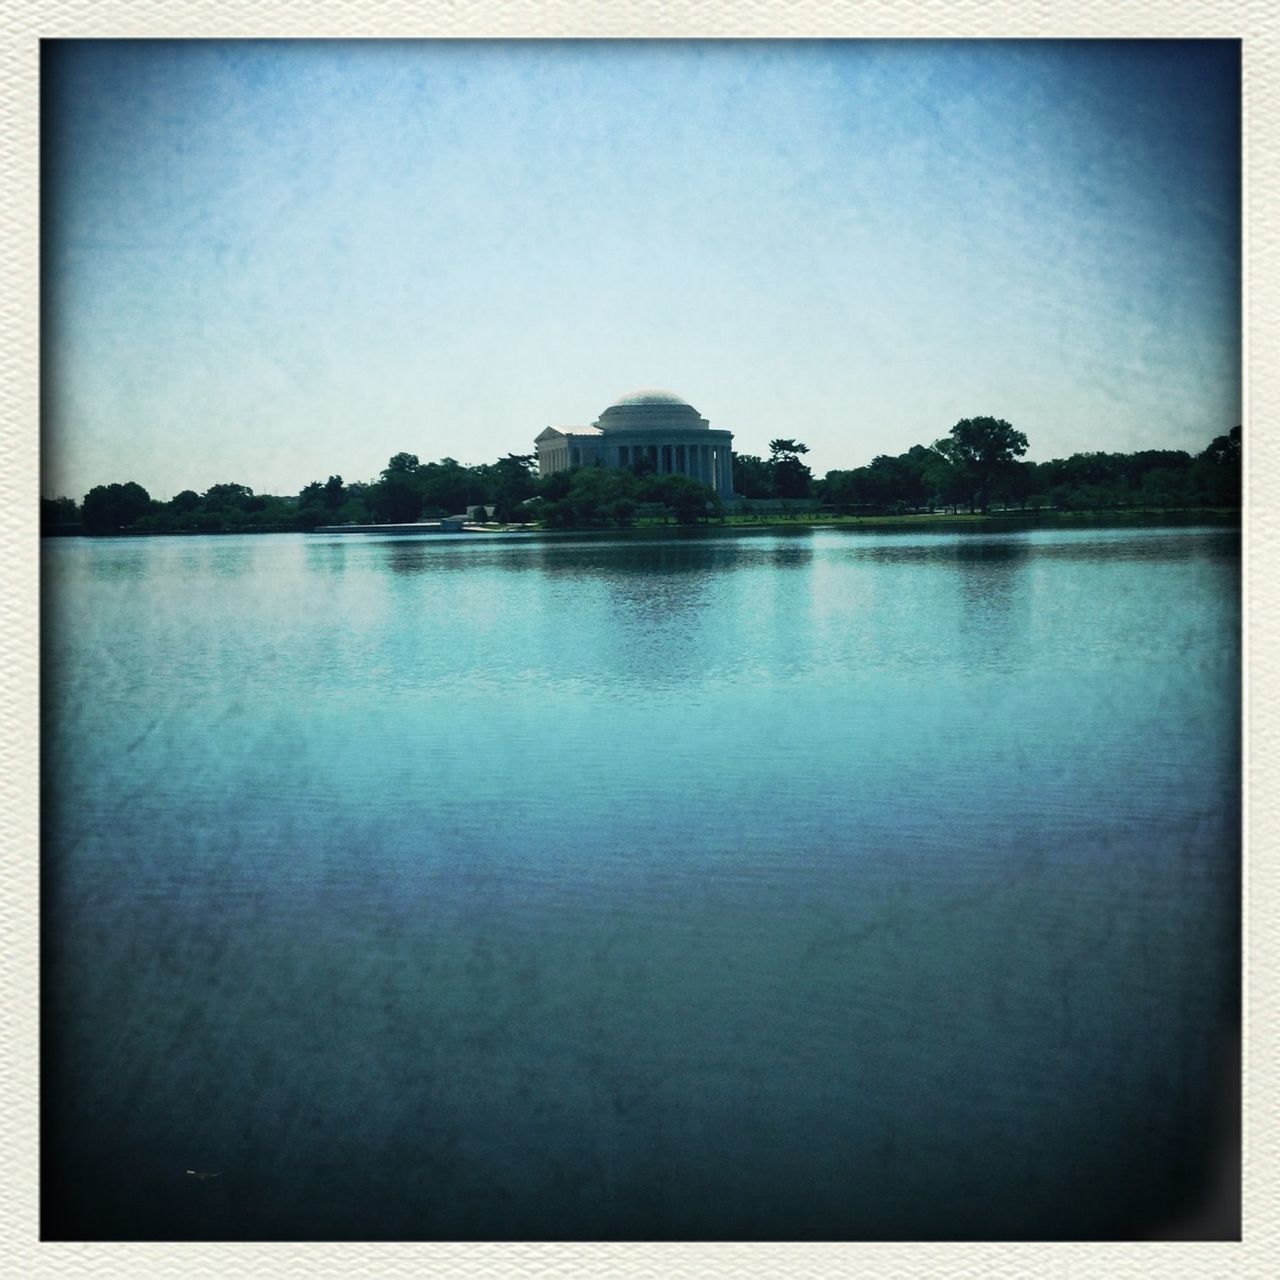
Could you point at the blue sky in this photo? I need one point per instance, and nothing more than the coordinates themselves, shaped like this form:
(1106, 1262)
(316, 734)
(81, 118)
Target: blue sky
(266, 262)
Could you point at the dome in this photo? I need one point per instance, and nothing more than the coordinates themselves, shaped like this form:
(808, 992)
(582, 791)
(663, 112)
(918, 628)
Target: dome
(651, 409)
(649, 395)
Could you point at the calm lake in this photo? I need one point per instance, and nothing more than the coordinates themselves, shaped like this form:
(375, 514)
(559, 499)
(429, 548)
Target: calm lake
(831, 885)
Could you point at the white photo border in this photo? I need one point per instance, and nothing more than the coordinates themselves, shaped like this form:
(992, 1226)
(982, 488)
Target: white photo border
(25, 23)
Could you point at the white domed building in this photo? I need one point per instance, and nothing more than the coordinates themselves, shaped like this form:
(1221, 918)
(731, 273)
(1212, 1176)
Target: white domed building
(647, 423)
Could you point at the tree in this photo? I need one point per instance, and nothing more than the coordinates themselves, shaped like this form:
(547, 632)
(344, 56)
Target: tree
(1219, 470)
(889, 483)
(59, 513)
(791, 478)
(985, 448)
(752, 476)
(109, 508)
(397, 497)
(1224, 451)
(947, 477)
(446, 485)
(621, 511)
(232, 497)
(513, 481)
(686, 497)
(312, 495)
(591, 497)
(334, 493)
(1015, 484)
(1166, 487)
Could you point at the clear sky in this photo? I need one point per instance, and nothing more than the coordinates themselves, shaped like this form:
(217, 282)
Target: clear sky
(267, 262)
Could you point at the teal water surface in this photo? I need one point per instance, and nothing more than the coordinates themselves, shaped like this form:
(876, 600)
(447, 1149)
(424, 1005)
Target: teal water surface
(832, 885)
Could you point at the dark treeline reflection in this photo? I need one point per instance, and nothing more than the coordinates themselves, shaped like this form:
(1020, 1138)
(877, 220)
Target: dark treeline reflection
(430, 554)
(683, 554)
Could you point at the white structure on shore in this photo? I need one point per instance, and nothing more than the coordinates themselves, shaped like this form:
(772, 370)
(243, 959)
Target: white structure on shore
(658, 425)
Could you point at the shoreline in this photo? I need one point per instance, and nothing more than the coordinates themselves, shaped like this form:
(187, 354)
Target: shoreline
(942, 522)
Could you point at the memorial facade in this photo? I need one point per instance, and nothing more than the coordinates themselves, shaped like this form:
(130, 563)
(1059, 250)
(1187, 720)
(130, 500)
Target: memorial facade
(652, 424)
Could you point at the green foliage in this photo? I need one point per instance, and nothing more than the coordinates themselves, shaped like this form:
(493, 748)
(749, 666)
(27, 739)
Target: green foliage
(786, 449)
(330, 496)
(231, 497)
(784, 475)
(791, 478)
(59, 515)
(752, 476)
(597, 497)
(1218, 469)
(311, 518)
(686, 497)
(354, 511)
(911, 481)
(620, 512)
(982, 451)
(506, 484)
(945, 476)
(448, 486)
(1224, 451)
(398, 498)
(114, 507)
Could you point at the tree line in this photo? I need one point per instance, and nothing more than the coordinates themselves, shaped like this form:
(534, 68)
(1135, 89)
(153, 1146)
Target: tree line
(509, 491)
(977, 465)
(406, 490)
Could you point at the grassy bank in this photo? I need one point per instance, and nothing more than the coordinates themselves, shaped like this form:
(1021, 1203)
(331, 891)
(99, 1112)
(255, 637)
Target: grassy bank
(997, 520)
(955, 520)
(993, 520)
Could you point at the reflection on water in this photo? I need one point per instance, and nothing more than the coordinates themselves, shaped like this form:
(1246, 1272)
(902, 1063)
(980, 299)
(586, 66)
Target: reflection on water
(824, 885)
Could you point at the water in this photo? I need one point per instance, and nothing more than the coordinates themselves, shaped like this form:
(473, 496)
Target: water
(830, 885)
